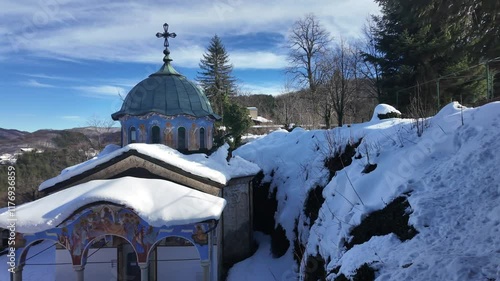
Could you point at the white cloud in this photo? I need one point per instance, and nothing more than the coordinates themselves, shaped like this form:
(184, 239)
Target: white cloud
(36, 84)
(126, 83)
(265, 89)
(101, 91)
(258, 60)
(49, 77)
(71, 117)
(124, 32)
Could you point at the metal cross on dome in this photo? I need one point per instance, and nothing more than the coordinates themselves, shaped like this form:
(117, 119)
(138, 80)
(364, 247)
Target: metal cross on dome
(166, 34)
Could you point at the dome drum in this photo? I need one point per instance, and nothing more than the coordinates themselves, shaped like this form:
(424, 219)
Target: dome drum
(183, 132)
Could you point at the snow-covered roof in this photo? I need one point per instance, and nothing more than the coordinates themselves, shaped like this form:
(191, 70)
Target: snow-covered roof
(158, 202)
(214, 167)
(261, 119)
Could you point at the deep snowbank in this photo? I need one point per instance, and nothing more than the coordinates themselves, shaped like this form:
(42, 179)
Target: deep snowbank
(449, 176)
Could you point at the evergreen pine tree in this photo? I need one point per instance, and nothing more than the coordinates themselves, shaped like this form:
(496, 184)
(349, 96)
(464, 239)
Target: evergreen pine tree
(215, 76)
(423, 40)
(237, 121)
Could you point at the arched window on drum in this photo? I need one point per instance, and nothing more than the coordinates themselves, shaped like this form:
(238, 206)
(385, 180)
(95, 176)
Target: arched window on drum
(155, 134)
(132, 136)
(202, 139)
(181, 138)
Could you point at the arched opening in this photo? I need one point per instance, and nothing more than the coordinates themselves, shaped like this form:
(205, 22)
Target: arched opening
(181, 138)
(102, 258)
(176, 258)
(47, 258)
(155, 134)
(202, 138)
(132, 135)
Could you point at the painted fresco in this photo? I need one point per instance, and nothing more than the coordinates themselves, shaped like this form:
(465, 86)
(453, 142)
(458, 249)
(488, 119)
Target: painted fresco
(168, 135)
(78, 233)
(194, 143)
(143, 137)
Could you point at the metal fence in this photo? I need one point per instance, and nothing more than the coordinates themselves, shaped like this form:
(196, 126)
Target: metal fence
(473, 86)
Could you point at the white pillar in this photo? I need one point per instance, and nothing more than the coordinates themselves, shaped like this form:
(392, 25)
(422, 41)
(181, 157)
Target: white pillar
(144, 271)
(79, 269)
(18, 273)
(206, 270)
(211, 253)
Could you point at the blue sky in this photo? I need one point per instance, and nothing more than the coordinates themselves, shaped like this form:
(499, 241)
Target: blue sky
(63, 61)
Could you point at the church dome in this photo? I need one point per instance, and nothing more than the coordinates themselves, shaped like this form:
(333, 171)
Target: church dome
(166, 92)
(166, 108)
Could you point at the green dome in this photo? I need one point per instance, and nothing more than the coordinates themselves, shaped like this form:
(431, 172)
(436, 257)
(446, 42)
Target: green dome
(166, 92)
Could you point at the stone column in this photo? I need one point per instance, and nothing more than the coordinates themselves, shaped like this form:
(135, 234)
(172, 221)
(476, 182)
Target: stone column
(18, 273)
(144, 271)
(79, 269)
(206, 270)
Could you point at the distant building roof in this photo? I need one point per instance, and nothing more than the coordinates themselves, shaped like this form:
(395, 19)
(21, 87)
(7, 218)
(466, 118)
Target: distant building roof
(261, 119)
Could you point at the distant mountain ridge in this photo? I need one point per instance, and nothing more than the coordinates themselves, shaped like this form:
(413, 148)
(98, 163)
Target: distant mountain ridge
(9, 134)
(11, 140)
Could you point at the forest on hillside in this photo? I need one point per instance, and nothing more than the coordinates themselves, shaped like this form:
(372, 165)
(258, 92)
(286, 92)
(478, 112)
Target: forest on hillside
(67, 148)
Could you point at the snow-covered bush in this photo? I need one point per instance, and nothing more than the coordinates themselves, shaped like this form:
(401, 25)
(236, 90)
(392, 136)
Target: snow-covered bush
(385, 111)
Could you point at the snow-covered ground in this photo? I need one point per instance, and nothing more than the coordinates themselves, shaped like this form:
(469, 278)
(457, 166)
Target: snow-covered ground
(251, 137)
(261, 266)
(449, 174)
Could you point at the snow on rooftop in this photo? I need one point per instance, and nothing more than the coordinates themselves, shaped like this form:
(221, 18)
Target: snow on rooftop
(214, 167)
(261, 119)
(158, 202)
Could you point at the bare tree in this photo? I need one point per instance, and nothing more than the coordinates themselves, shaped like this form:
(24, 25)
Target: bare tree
(418, 110)
(100, 129)
(342, 84)
(308, 42)
(283, 106)
(284, 109)
(325, 108)
(370, 67)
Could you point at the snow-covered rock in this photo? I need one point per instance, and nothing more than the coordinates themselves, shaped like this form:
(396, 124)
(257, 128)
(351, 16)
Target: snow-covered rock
(383, 109)
(449, 175)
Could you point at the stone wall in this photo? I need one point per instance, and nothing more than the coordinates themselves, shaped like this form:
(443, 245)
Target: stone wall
(237, 221)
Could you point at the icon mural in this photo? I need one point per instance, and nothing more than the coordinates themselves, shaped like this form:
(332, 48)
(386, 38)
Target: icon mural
(81, 230)
(169, 135)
